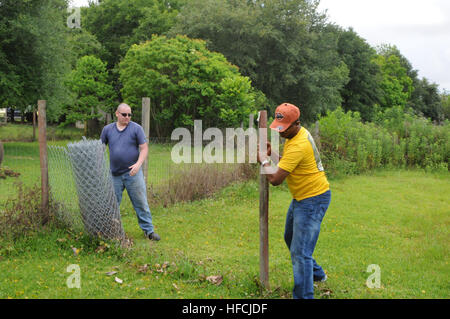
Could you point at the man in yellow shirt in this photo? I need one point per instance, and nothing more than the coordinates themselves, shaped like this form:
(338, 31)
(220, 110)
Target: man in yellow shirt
(302, 168)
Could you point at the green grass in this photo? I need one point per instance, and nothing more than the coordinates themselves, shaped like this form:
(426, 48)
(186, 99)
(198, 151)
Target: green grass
(13, 132)
(398, 220)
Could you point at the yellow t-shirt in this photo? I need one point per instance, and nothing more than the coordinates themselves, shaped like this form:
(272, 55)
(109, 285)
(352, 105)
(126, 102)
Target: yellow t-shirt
(302, 160)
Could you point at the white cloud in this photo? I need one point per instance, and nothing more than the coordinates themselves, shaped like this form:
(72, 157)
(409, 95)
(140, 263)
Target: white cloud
(420, 29)
(384, 12)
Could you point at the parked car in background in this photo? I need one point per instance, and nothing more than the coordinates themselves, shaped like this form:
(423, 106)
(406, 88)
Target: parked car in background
(15, 115)
(3, 115)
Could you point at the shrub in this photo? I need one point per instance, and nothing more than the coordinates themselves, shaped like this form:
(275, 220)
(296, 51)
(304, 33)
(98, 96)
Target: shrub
(396, 139)
(196, 181)
(23, 214)
(185, 82)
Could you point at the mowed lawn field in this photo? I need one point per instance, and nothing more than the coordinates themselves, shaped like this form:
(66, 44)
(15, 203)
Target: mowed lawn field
(397, 220)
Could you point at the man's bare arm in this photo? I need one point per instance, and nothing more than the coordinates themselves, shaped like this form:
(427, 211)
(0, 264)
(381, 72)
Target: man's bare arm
(143, 151)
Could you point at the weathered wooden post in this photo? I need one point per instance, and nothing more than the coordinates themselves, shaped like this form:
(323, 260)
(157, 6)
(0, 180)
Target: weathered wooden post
(42, 126)
(1, 153)
(263, 208)
(34, 124)
(146, 127)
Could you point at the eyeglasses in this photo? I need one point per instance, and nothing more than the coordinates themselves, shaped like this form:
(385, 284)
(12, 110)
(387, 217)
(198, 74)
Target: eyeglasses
(125, 114)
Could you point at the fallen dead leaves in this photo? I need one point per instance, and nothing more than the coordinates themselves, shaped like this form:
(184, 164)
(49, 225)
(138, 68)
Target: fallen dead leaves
(215, 280)
(4, 172)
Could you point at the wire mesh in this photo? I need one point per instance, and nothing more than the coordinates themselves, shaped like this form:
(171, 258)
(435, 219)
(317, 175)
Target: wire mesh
(85, 197)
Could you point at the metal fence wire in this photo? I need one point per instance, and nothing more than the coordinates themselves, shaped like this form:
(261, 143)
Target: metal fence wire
(82, 189)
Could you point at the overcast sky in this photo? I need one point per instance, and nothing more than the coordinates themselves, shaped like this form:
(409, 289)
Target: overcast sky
(419, 28)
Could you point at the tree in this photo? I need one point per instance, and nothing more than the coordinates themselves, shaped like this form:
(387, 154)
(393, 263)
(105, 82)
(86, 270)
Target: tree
(395, 84)
(118, 24)
(89, 83)
(362, 92)
(285, 47)
(33, 55)
(185, 82)
(424, 98)
(427, 101)
(445, 101)
(83, 43)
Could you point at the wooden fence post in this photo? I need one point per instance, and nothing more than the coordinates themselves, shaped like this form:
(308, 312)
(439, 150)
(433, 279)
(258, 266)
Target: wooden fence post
(42, 126)
(34, 124)
(263, 209)
(146, 127)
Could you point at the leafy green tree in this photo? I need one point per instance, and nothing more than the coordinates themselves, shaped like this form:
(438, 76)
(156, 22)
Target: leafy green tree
(286, 47)
(362, 92)
(424, 99)
(93, 93)
(118, 24)
(427, 101)
(445, 101)
(185, 82)
(83, 43)
(395, 84)
(33, 54)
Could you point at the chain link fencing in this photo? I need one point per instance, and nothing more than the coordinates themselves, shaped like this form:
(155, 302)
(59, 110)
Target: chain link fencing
(82, 189)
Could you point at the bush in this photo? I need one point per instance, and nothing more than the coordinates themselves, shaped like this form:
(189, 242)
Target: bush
(23, 214)
(396, 139)
(196, 181)
(185, 82)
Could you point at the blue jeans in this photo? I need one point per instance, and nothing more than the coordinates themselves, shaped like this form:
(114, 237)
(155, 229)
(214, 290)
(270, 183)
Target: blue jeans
(301, 233)
(137, 192)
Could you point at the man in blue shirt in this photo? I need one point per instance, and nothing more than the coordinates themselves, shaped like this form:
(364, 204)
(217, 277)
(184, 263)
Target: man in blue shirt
(127, 151)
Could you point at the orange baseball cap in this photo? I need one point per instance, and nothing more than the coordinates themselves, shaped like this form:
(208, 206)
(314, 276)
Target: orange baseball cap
(285, 115)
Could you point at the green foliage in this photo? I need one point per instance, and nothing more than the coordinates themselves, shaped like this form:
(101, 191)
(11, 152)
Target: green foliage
(285, 47)
(362, 92)
(93, 92)
(425, 100)
(395, 84)
(84, 43)
(185, 82)
(119, 24)
(398, 139)
(33, 55)
(445, 101)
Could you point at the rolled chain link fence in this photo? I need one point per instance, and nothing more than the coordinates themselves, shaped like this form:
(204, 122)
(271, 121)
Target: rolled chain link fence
(82, 189)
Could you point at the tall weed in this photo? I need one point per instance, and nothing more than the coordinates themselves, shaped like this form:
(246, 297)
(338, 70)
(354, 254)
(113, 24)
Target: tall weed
(396, 139)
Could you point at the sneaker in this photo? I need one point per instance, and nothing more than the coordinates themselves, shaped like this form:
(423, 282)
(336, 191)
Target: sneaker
(154, 236)
(321, 279)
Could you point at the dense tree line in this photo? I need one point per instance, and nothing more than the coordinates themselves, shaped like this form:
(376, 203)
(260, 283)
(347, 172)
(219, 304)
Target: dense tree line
(275, 51)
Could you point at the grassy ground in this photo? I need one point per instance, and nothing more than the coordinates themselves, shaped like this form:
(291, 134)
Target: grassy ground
(15, 132)
(398, 220)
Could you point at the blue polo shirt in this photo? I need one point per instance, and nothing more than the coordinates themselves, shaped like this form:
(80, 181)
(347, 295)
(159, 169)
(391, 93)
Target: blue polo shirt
(123, 145)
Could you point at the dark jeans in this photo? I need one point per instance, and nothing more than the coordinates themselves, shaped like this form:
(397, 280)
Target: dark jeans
(301, 233)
